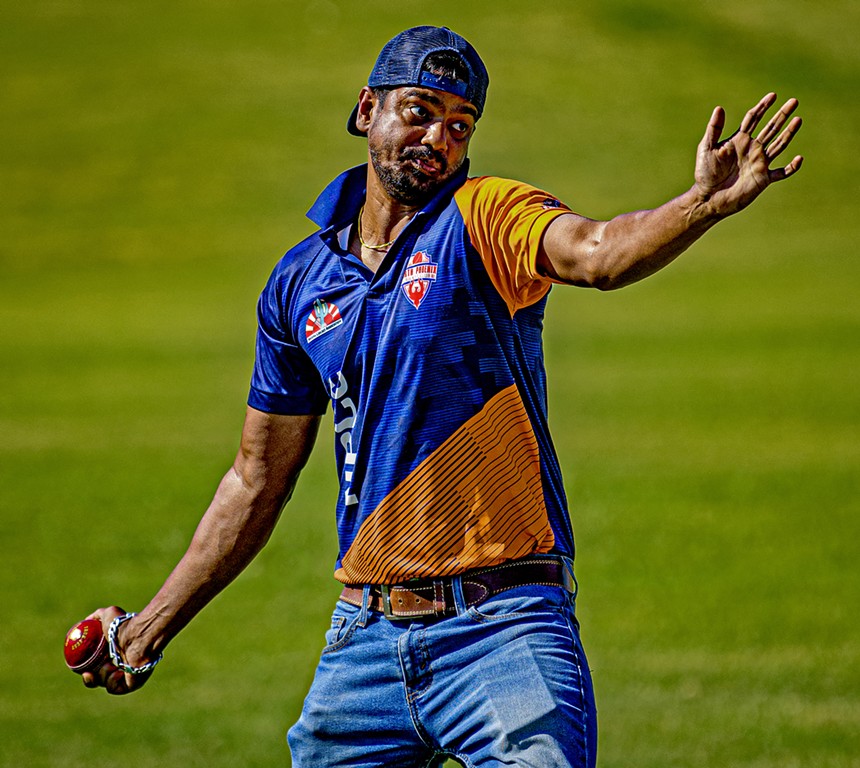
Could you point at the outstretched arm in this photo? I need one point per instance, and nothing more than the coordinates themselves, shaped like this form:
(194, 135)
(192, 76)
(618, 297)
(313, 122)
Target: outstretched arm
(730, 174)
(233, 530)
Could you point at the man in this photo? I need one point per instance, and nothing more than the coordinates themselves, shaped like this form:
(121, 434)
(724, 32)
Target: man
(416, 310)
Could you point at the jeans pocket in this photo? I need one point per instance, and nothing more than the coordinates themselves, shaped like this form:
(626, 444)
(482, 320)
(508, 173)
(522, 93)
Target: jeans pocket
(343, 623)
(334, 632)
(520, 601)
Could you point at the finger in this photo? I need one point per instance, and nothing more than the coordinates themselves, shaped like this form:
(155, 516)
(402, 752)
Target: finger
(715, 128)
(133, 682)
(106, 616)
(784, 139)
(102, 675)
(116, 683)
(777, 121)
(778, 174)
(754, 116)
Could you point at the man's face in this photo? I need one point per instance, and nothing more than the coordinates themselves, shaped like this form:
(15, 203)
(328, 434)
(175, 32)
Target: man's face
(417, 139)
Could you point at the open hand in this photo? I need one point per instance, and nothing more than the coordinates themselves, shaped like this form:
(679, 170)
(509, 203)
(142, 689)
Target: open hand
(730, 174)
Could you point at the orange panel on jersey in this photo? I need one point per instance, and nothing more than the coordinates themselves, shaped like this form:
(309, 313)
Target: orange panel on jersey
(476, 501)
(506, 220)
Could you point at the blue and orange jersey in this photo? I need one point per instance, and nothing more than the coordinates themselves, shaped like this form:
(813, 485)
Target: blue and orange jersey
(434, 368)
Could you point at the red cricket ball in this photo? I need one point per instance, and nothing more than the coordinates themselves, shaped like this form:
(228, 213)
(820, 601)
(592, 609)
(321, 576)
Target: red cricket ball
(86, 647)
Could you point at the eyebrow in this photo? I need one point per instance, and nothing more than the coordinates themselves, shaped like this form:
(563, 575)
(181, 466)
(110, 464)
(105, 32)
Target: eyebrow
(432, 98)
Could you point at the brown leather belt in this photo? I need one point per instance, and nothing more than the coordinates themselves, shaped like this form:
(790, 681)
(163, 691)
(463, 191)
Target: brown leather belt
(435, 597)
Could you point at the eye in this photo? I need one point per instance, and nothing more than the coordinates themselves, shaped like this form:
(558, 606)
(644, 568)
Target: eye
(461, 128)
(419, 111)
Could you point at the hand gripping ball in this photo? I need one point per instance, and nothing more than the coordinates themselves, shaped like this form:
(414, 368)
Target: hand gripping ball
(86, 647)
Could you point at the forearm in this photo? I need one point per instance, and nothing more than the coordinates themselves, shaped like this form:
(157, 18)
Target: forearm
(235, 527)
(729, 176)
(636, 245)
(612, 254)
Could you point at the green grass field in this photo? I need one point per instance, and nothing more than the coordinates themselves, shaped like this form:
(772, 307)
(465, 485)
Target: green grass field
(157, 158)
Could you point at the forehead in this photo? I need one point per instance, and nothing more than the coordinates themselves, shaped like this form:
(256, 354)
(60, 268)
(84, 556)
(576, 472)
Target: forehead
(449, 102)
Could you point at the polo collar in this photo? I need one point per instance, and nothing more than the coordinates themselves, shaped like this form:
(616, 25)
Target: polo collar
(339, 202)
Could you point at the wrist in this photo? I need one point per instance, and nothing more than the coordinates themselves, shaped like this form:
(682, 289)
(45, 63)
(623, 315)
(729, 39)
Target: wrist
(132, 641)
(127, 647)
(699, 209)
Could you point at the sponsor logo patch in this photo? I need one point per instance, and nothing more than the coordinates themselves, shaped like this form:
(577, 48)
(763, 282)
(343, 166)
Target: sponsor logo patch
(419, 275)
(551, 203)
(323, 318)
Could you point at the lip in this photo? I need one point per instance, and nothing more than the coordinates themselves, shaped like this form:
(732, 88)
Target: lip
(426, 167)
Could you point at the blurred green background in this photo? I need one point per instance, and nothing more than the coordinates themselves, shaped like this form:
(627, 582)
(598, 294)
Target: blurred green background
(157, 159)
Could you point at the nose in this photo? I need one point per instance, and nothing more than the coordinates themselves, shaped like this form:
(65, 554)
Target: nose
(436, 136)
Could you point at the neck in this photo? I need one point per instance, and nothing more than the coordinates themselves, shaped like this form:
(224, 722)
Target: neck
(382, 219)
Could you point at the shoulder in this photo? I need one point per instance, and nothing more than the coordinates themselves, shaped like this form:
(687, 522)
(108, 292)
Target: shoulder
(298, 258)
(287, 280)
(294, 267)
(492, 191)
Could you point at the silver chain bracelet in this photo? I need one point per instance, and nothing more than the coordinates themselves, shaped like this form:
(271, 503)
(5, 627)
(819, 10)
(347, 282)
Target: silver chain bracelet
(115, 655)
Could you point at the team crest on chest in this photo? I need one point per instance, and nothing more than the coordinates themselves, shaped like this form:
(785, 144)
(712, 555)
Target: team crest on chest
(419, 275)
(323, 318)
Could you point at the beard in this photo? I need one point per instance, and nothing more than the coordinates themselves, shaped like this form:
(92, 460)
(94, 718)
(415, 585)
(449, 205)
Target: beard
(400, 177)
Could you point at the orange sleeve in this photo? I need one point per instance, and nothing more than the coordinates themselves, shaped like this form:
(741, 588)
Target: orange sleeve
(505, 220)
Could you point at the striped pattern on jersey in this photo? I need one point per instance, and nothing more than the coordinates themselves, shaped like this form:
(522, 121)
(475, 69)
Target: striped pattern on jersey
(476, 500)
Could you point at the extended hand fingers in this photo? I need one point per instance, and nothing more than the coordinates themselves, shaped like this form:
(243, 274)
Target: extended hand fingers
(754, 116)
(714, 129)
(778, 174)
(773, 149)
(776, 122)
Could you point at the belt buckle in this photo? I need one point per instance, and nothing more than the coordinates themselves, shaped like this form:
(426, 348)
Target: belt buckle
(388, 611)
(386, 602)
(434, 607)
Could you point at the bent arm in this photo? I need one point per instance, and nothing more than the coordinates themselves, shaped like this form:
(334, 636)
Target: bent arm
(235, 527)
(615, 253)
(729, 176)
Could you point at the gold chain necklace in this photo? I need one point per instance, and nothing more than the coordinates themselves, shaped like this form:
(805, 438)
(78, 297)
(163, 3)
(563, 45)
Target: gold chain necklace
(381, 247)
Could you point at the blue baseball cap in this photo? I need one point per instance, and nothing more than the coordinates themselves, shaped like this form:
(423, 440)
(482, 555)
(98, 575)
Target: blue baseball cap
(401, 63)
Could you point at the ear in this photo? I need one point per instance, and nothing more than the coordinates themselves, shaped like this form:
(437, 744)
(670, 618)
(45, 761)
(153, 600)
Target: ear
(366, 105)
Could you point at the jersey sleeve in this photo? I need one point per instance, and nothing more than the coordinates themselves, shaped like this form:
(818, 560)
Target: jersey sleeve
(285, 380)
(505, 221)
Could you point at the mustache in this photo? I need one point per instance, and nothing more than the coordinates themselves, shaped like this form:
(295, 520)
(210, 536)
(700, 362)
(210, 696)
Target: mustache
(425, 153)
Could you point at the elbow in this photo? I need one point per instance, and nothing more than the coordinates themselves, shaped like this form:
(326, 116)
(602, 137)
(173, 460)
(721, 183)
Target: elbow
(596, 272)
(602, 264)
(592, 265)
(264, 490)
(606, 281)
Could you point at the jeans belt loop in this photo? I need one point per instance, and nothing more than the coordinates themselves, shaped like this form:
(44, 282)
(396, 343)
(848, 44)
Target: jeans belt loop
(439, 597)
(365, 606)
(569, 578)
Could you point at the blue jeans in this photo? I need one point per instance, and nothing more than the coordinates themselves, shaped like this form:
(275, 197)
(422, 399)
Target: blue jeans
(501, 683)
